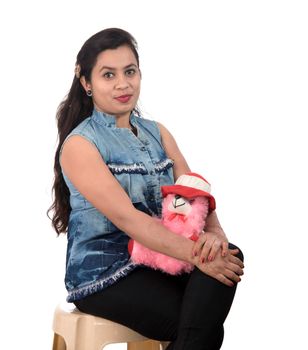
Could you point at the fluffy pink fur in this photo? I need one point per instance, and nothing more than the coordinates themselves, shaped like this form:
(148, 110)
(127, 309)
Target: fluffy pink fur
(188, 226)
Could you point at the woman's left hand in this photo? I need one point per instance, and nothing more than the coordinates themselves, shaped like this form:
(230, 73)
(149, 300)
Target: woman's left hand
(209, 244)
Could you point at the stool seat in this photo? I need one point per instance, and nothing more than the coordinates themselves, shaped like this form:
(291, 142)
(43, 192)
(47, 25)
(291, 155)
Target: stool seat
(75, 330)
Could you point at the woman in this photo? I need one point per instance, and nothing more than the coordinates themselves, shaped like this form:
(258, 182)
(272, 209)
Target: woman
(109, 167)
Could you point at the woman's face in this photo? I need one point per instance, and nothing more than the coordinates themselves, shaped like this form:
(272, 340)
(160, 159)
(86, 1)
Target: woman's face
(115, 82)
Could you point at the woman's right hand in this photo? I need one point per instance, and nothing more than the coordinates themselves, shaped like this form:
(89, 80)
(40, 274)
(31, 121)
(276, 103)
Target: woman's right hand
(226, 269)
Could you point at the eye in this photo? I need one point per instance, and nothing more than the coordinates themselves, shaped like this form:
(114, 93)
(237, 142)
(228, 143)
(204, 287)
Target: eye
(108, 75)
(130, 72)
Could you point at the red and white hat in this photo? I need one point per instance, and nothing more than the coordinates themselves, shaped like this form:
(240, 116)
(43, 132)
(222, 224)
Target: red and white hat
(191, 185)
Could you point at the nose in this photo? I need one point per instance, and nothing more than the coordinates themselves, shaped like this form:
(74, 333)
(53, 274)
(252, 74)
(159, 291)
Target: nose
(180, 205)
(178, 201)
(121, 82)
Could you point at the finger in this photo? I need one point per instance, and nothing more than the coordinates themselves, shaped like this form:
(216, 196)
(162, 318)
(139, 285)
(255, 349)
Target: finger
(223, 279)
(235, 268)
(197, 247)
(214, 250)
(236, 260)
(224, 250)
(234, 251)
(194, 251)
(232, 276)
(205, 251)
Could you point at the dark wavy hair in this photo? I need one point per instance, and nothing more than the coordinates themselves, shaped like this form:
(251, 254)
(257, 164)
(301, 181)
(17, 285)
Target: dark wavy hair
(76, 107)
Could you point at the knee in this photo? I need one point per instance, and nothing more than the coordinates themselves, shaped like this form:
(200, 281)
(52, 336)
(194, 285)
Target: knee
(240, 254)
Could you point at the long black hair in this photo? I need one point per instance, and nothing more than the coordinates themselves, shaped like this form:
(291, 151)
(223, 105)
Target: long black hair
(76, 107)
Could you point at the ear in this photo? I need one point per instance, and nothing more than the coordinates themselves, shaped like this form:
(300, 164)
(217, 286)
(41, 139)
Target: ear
(85, 84)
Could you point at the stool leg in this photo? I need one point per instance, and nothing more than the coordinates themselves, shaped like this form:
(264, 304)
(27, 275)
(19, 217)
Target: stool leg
(58, 342)
(164, 344)
(144, 345)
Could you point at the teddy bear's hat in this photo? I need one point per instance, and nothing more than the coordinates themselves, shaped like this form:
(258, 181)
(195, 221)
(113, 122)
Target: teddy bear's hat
(191, 185)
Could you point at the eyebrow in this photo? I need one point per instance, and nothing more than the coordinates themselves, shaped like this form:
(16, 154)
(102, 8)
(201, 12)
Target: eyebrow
(112, 68)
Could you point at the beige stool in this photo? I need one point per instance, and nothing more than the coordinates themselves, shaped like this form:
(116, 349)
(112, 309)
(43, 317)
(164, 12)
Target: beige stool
(74, 330)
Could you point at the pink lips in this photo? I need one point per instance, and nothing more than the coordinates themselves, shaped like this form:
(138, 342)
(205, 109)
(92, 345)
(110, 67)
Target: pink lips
(123, 98)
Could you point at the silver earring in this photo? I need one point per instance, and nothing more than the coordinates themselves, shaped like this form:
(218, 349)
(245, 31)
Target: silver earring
(89, 93)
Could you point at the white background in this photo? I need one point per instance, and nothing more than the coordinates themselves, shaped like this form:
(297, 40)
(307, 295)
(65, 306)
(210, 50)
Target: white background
(230, 80)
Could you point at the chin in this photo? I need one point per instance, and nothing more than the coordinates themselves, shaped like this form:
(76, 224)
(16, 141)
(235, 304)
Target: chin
(125, 109)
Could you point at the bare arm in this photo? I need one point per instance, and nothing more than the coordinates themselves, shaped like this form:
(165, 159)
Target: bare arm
(173, 152)
(84, 166)
(207, 246)
(213, 224)
(226, 268)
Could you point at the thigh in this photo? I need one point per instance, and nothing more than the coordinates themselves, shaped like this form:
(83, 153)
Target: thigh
(205, 296)
(205, 306)
(148, 301)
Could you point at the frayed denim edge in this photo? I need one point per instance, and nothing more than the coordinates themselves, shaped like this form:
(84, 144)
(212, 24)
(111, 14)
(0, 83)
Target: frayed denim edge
(139, 168)
(136, 168)
(163, 165)
(99, 285)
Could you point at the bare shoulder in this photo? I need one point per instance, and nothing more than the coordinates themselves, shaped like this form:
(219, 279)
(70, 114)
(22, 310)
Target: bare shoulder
(167, 138)
(86, 169)
(77, 147)
(164, 131)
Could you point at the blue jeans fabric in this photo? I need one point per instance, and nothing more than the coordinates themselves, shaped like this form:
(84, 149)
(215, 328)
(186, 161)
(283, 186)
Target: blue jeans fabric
(188, 310)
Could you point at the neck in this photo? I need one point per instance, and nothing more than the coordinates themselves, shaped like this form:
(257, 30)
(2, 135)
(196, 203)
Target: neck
(122, 121)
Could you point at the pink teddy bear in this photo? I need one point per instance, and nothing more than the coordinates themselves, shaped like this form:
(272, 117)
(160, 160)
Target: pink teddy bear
(184, 210)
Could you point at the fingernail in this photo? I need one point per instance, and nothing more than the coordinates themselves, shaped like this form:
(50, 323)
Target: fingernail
(202, 260)
(195, 253)
(210, 258)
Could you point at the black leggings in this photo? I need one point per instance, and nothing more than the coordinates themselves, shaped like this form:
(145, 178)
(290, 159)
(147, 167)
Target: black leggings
(188, 310)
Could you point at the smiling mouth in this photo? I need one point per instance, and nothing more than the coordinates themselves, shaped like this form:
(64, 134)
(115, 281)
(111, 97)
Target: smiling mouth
(123, 98)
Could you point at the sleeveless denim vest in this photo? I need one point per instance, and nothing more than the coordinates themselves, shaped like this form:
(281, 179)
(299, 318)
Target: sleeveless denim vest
(97, 254)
